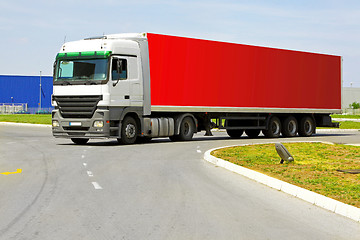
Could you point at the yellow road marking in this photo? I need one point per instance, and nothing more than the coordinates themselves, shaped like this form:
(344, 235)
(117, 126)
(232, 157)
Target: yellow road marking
(7, 173)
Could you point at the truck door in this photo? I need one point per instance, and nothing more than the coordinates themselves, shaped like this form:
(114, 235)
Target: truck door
(120, 90)
(136, 86)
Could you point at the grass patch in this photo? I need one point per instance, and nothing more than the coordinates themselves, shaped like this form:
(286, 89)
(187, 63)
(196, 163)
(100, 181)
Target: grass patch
(345, 125)
(345, 116)
(349, 125)
(314, 167)
(27, 118)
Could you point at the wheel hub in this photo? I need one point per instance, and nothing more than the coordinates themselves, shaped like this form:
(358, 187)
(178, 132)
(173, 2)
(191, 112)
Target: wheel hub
(275, 128)
(292, 127)
(307, 127)
(130, 131)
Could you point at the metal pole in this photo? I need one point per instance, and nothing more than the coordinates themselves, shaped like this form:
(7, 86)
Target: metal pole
(40, 94)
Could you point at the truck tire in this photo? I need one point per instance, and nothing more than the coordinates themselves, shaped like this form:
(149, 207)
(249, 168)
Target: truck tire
(252, 133)
(187, 130)
(289, 127)
(80, 141)
(235, 133)
(274, 128)
(129, 130)
(307, 126)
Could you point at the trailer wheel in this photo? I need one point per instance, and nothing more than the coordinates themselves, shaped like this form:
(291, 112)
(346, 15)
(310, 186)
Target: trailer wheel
(80, 141)
(129, 129)
(187, 130)
(289, 127)
(306, 127)
(274, 128)
(235, 133)
(252, 133)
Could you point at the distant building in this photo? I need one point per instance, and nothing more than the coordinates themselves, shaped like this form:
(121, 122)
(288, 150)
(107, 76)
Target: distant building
(26, 90)
(349, 96)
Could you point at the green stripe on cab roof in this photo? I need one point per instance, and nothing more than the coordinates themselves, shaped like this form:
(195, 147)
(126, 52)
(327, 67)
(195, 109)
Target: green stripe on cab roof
(87, 54)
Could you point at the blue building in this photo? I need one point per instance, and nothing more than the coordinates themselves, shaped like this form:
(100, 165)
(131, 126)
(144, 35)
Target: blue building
(26, 90)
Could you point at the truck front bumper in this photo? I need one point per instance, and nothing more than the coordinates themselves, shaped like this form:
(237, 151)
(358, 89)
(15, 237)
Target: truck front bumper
(96, 127)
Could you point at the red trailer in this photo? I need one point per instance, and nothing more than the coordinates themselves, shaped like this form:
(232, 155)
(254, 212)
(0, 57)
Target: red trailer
(195, 73)
(158, 85)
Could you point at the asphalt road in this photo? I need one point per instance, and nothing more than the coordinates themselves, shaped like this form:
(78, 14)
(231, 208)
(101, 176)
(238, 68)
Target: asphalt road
(159, 190)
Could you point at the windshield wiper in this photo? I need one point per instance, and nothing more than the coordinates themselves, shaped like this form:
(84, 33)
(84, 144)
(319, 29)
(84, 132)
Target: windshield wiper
(90, 82)
(64, 82)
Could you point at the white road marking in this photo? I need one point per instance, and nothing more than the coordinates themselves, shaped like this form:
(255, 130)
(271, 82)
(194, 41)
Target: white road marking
(96, 185)
(82, 156)
(90, 174)
(199, 151)
(85, 164)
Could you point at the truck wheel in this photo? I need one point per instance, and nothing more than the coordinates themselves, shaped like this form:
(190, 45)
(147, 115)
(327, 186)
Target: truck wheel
(129, 129)
(289, 127)
(187, 129)
(274, 128)
(306, 127)
(252, 133)
(235, 133)
(80, 141)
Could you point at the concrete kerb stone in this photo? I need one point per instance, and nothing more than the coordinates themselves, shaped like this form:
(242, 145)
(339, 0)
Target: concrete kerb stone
(337, 130)
(346, 119)
(304, 194)
(25, 124)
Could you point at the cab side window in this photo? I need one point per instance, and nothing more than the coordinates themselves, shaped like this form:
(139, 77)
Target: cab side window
(119, 69)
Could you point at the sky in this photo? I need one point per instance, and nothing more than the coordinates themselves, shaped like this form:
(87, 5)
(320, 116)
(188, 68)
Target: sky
(32, 32)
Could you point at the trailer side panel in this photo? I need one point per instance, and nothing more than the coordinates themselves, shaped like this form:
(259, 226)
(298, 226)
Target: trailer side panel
(191, 72)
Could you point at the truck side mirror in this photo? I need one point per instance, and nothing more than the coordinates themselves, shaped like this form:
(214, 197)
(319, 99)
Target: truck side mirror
(54, 69)
(118, 69)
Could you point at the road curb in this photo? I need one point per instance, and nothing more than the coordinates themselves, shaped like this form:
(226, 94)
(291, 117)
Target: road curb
(337, 130)
(304, 194)
(25, 124)
(346, 119)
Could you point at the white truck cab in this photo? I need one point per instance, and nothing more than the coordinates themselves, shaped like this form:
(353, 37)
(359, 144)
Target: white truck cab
(97, 81)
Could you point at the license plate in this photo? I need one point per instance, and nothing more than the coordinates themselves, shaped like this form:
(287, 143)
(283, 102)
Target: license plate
(76, 124)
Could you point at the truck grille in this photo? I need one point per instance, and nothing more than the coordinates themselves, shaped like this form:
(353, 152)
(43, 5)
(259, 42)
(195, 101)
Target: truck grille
(77, 106)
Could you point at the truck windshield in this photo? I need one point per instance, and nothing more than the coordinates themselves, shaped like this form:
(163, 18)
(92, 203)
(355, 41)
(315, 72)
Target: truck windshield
(81, 71)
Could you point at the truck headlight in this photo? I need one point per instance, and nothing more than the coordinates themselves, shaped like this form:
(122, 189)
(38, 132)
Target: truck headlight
(55, 123)
(98, 124)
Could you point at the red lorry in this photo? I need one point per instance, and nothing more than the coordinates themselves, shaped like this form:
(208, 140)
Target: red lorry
(140, 86)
